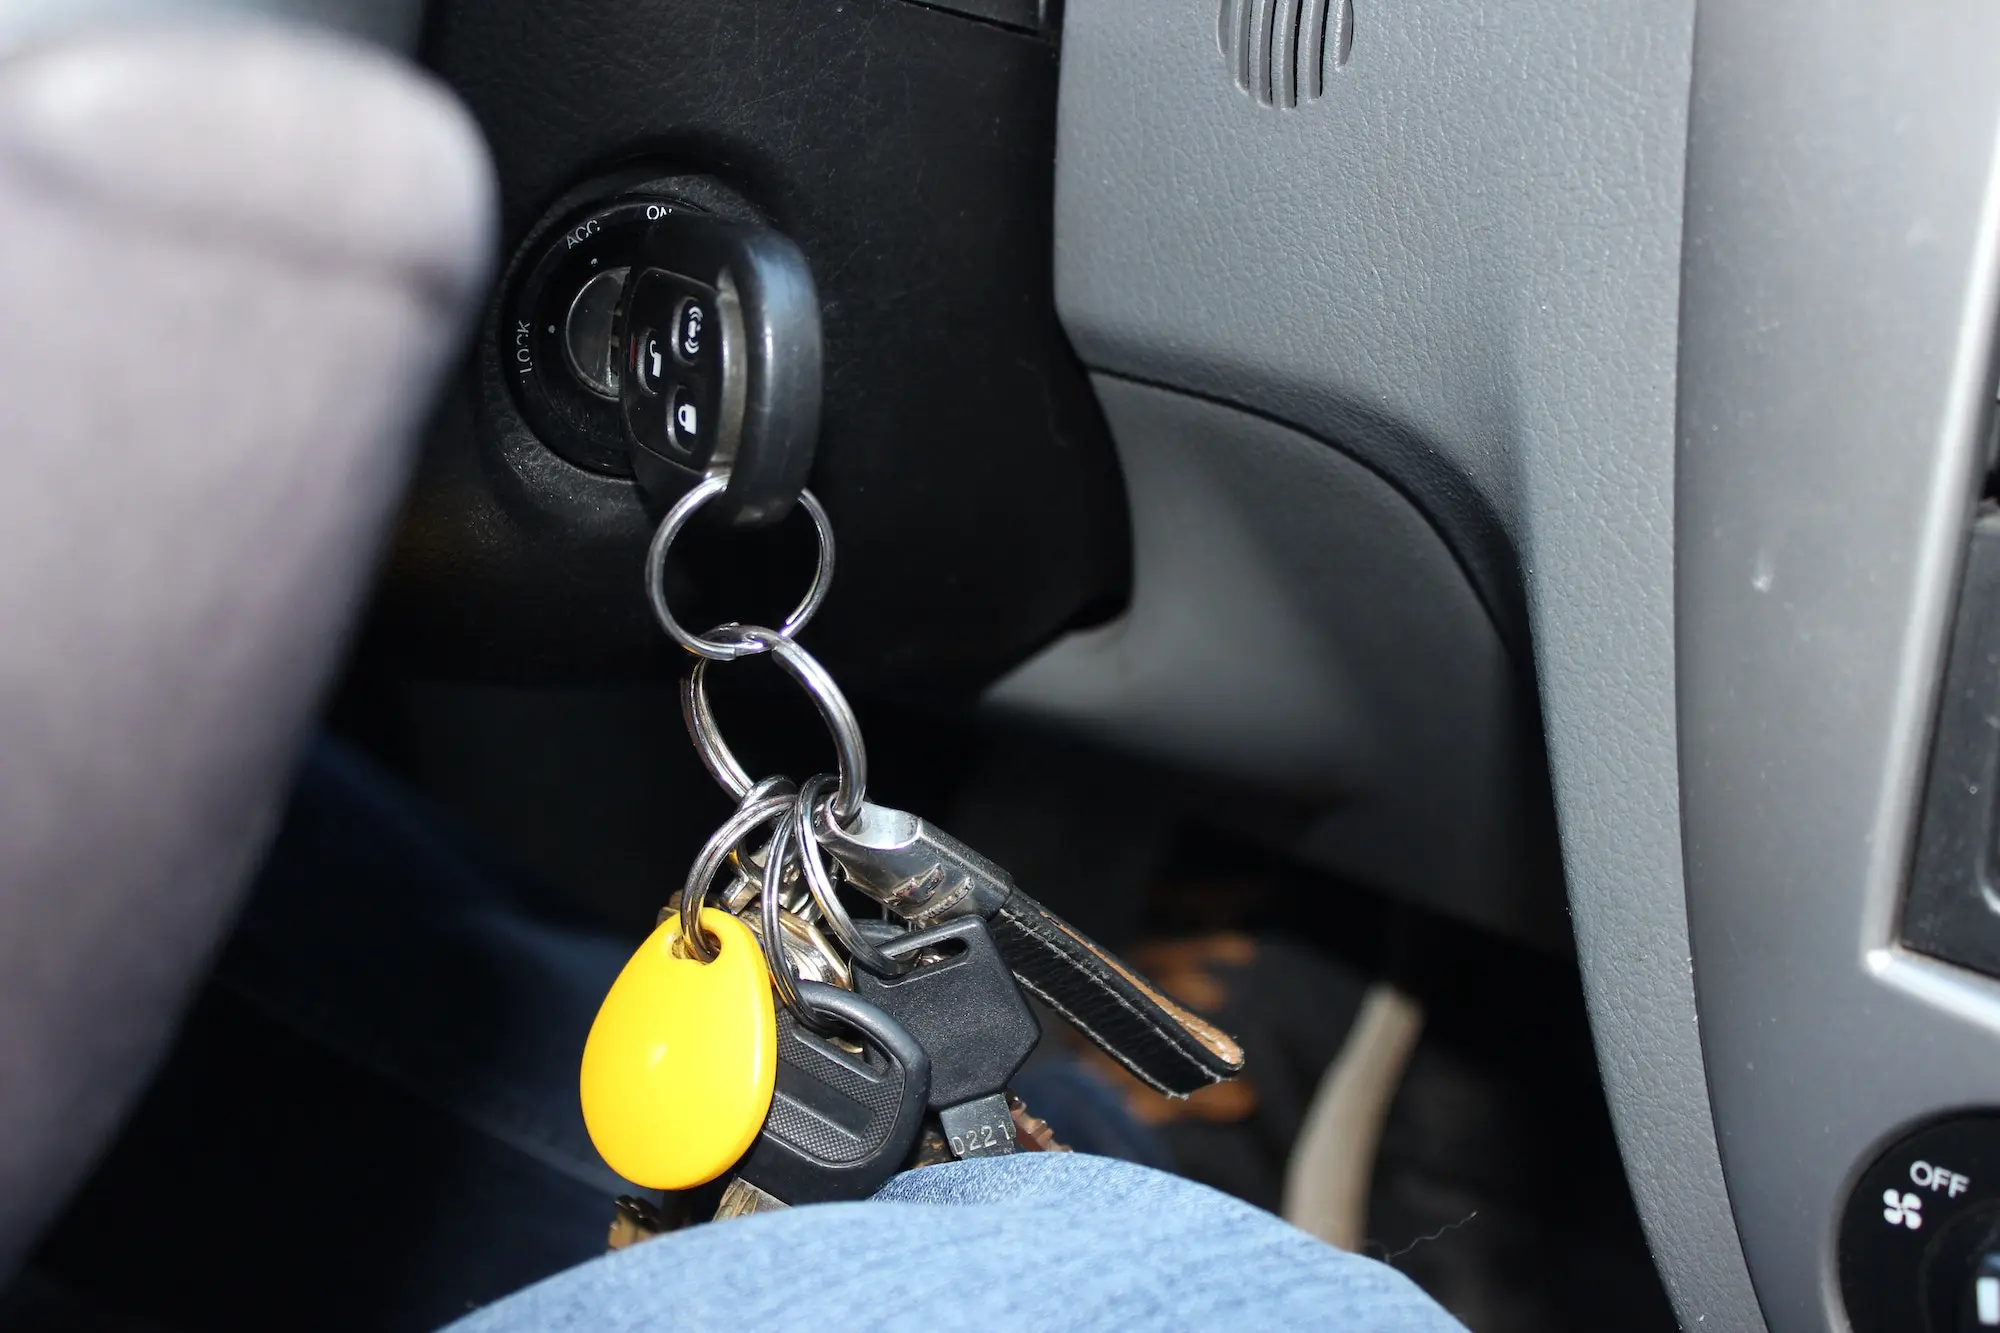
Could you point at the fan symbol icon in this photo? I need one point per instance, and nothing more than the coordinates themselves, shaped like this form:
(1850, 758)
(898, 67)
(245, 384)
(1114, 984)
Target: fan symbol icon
(1905, 1208)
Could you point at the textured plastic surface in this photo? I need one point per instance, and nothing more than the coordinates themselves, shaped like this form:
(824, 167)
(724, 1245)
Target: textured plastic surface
(908, 152)
(963, 1008)
(1836, 387)
(1953, 911)
(1461, 264)
(842, 1121)
(1298, 629)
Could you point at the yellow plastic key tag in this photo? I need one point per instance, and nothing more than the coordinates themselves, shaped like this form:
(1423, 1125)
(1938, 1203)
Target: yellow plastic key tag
(681, 1060)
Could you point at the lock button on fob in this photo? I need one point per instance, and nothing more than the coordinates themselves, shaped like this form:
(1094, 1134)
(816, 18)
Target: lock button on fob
(685, 420)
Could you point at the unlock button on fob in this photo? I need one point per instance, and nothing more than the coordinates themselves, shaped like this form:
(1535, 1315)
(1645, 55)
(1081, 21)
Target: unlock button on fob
(652, 363)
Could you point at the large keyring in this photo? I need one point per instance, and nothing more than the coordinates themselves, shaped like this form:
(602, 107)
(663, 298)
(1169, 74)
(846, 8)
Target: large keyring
(820, 884)
(849, 749)
(749, 817)
(656, 573)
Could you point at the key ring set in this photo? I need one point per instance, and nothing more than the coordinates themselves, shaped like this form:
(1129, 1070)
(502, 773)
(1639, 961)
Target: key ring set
(812, 1055)
(759, 1031)
(793, 854)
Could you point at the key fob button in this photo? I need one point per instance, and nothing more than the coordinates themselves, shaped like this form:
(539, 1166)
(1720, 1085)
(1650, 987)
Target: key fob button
(671, 404)
(738, 324)
(652, 363)
(686, 424)
(692, 333)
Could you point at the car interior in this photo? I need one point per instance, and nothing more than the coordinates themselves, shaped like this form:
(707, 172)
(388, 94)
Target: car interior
(1458, 540)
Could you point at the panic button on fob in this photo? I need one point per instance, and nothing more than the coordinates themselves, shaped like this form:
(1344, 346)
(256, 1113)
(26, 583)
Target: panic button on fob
(692, 333)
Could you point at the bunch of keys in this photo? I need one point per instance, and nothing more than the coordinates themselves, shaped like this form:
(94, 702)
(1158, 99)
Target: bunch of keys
(763, 1033)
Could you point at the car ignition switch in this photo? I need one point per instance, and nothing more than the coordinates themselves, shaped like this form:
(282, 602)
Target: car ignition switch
(557, 343)
(654, 340)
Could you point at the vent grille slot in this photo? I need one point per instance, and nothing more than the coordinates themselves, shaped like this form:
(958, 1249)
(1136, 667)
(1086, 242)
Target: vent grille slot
(1281, 51)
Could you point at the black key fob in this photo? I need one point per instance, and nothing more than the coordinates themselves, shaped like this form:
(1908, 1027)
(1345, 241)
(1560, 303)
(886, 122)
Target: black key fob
(960, 1003)
(720, 330)
(842, 1120)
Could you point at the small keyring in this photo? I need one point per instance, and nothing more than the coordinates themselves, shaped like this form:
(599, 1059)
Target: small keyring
(850, 750)
(819, 883)
(748, 818)
(771, 786)
(777, 958)
(656, 573)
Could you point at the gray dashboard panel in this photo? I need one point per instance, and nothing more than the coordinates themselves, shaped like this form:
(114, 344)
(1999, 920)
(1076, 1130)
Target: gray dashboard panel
(1461, 265)
(1836, 386)
(1299, 630)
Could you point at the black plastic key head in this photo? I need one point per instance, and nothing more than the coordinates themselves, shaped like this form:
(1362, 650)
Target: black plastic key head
(841, 1122)
(720, 331)
(960, 1003)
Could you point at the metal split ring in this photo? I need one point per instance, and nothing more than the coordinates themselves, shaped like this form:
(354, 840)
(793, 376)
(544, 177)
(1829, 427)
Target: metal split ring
(656, 575)
(849, 749)
(749, 817)
(820, 884)
(777, 958)
(775, 785)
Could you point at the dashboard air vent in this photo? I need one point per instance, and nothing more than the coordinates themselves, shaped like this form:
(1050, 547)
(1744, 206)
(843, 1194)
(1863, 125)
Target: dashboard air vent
(1281, 51)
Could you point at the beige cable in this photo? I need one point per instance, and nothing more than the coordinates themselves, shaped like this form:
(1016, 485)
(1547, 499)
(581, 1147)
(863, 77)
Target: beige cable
(1333, 1159)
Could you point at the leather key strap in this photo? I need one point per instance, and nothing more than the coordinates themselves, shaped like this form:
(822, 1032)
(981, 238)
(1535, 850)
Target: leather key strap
(1162, 1044)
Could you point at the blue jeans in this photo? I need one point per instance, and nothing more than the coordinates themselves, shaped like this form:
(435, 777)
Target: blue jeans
(1034, 1241)
(382, 938)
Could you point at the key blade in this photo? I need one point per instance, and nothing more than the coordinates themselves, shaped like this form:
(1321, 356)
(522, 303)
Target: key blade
(912, 867)
(742, 1199)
